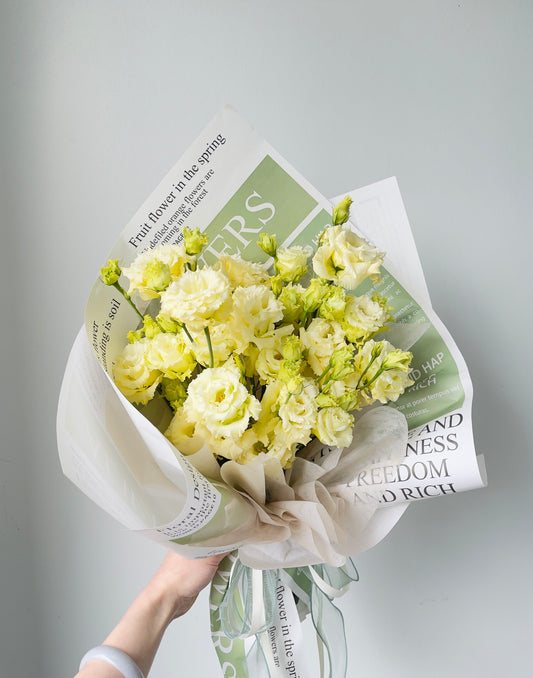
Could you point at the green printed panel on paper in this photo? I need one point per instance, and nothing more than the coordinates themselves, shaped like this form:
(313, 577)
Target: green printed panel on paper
(270, 201)
(309, 236)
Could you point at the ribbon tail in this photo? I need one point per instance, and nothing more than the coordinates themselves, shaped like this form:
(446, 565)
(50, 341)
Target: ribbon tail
(329, 625)
(230, 651)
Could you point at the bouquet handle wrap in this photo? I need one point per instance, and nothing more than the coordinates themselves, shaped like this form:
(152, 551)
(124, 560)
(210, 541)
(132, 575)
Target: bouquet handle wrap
(256, 618)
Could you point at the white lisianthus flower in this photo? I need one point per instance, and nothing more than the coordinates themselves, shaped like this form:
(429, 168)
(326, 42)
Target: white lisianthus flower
(270, 355)
(255, 312)
(268, 363)
(363, 318)
(291, 262)
(321, 338)
(334, 427)
(390, 385)
(219, 400)
(151, 272)
(285, 445)
(170, 354)
(298, 412)
(345, 258)
(241, 273)
(181, 433)
(268, 418)
(133, 376)
(240, 449)
(194, 297)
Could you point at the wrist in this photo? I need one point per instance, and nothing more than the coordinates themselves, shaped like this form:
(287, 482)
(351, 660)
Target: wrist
(141, 629)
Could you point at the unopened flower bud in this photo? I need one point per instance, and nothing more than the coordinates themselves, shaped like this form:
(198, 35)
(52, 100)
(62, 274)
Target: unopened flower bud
(194, 240)
(397, 360)
(151, 328)
(157, 275)
(292, 348)
(111, 272)
(268, 243)
(174, 390)
(276, 284)
(341, 212)
(135, 335)
(341, 362)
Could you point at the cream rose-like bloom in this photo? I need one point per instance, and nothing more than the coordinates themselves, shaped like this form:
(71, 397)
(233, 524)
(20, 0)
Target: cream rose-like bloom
(284, 444)
(170, 354)
(195, 297)
(291, 262)
(345, 258)
(219, 400)
(363, 317)
(321, 338)
(133, 376)
(255, 312)
(390, 385)
(270, 355)
(268, 363)
(181, 433)
(241, 273)
(334, 427)
(144, 274)
(298, 412)
(239, 449)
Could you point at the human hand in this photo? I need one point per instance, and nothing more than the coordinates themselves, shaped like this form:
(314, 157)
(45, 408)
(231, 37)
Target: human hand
(180, 580)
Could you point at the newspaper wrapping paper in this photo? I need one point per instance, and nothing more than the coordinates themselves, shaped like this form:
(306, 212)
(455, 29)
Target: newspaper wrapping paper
(233, 185)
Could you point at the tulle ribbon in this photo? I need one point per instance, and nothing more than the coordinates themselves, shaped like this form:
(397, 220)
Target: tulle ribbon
(256, 619)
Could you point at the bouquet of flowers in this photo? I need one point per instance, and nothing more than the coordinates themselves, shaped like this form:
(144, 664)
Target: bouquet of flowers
(253, 365)
(256, 365)
(227, 393)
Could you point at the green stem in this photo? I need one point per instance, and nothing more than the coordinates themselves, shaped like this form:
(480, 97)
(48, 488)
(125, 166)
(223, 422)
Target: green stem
(364, 372)
(380, 371)
(329, 368)
(210, 347)
(127, 297)
(184, 328)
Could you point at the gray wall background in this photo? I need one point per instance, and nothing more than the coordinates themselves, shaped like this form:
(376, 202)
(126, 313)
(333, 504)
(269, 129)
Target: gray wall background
(98, 100)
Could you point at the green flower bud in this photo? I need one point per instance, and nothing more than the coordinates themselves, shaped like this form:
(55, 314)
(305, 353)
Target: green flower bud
(341, 212)
(350, 400)
(341, 362)
(268, 243)
(167, 324)
(325, 400)
(276, 282)
(111, 272)
(292, 349)
(157, 275)
(291, 298)
(194, 240)
(151, 328)
(175, 391)
(290, 374)
(135, 335)
(376, 350)
(334, 305)
(397, 360)
(314, 294)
